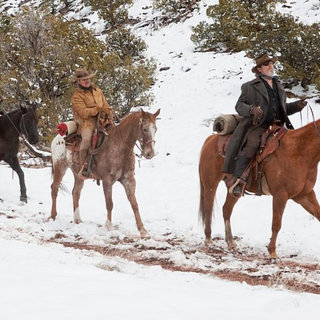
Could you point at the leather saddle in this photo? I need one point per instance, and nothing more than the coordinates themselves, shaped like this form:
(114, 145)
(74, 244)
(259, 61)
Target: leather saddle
(73, 142)
(270, 141)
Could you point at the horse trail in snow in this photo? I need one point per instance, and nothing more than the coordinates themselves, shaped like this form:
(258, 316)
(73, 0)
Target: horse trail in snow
(172, 252)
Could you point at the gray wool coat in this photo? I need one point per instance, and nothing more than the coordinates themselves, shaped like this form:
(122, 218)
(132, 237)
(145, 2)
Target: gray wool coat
(255, 93)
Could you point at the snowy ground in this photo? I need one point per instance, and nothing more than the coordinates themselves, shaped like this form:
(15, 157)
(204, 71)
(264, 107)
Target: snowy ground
(40, 278)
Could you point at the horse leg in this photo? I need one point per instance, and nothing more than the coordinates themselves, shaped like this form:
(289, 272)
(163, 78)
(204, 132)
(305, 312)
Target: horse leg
(107, 189)
(310, 203)
(76, 192)
(278, 206)
(227, 212)
(14, 164)
(59, 169)
(129, 185)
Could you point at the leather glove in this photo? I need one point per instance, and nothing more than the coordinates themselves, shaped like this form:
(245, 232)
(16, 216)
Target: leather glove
(301, 104)
(257, 114)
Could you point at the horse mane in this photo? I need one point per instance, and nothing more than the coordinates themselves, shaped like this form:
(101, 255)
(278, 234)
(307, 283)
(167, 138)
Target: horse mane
(4, 117)
(131, 117)
(303, 141)
(126, 121)
(310, 129)
(13, 112)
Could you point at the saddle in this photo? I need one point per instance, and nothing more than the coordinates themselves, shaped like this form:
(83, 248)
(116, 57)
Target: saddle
(73, 142)
(270, 141)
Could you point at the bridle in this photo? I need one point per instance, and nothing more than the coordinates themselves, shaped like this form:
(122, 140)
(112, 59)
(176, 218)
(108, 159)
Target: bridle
(142, 143)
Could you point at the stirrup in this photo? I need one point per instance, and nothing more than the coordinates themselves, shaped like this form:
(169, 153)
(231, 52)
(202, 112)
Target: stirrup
(240, 183)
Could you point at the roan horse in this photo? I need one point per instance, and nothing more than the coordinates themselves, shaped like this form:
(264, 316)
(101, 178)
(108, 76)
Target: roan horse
(22, 121)
(291, 173)
(114, 162)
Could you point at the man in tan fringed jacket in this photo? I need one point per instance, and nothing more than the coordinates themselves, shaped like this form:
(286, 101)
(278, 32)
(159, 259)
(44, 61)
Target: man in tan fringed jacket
(87, 101)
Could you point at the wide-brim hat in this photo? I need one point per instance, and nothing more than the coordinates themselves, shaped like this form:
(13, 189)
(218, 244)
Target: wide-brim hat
(261, 60)
(81, 74)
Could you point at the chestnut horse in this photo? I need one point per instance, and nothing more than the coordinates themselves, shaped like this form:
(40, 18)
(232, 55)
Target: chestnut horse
(115, 161)
(22, 121)
(291, 173)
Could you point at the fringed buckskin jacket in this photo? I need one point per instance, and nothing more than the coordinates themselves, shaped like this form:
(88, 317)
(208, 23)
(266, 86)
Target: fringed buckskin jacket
(86, 104)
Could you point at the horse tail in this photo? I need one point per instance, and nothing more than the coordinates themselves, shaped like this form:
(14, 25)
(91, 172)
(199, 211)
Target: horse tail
(201, 204)
(210, 174)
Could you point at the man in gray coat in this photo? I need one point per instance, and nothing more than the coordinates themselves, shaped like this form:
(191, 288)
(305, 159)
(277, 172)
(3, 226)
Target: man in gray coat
(262, 102)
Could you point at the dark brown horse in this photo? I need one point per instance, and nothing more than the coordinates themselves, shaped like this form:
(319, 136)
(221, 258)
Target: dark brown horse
(114, 162)
(291, 173)
(22, 121)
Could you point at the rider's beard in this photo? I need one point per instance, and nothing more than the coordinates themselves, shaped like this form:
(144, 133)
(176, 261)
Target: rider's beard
(270, 73)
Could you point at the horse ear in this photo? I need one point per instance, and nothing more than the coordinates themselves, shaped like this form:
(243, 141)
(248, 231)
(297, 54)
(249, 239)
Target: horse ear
(157, 113)
(23, 109)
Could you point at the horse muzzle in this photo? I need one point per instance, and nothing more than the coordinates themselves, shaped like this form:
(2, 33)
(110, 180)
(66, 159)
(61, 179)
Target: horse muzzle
(148, 154)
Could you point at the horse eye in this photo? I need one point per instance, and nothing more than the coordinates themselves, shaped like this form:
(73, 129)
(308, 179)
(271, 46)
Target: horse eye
(145, 130)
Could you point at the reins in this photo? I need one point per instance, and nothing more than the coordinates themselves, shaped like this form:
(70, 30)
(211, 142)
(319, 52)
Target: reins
(131, 149)
(21, 124)
(314, 121)
(140, 156)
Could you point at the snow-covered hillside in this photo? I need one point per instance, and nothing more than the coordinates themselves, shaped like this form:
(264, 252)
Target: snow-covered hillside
(40, 277)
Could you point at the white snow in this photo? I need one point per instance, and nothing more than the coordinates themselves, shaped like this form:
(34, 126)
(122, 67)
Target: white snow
(40, 279)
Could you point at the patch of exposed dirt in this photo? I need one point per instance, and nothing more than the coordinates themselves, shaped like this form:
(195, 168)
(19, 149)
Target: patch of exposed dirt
(253, 268)
(178, 253)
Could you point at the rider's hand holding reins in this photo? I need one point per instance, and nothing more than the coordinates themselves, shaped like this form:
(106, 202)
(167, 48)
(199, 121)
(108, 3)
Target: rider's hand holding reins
(257, 114)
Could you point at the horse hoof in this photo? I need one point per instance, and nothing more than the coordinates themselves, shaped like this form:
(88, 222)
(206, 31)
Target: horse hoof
(77, 221)
(208, 242)
(144, 234)
(232, 246)
(273, 256)
(109, 225)
(50, 218)
(24, 199)
(273, 260)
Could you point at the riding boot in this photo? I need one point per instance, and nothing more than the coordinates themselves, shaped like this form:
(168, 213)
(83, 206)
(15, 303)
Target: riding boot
(83, 173)
(237, 189)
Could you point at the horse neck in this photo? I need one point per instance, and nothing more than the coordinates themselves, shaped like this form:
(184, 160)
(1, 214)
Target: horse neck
(128, 130)
(14, 119)
(308, 141)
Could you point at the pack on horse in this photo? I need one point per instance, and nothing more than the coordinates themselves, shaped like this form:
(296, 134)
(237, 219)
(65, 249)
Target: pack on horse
(290, 170)
(22, 121)
(113, 160)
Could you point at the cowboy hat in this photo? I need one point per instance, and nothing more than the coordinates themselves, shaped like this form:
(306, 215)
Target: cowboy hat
(261, 60)
(81, 74)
